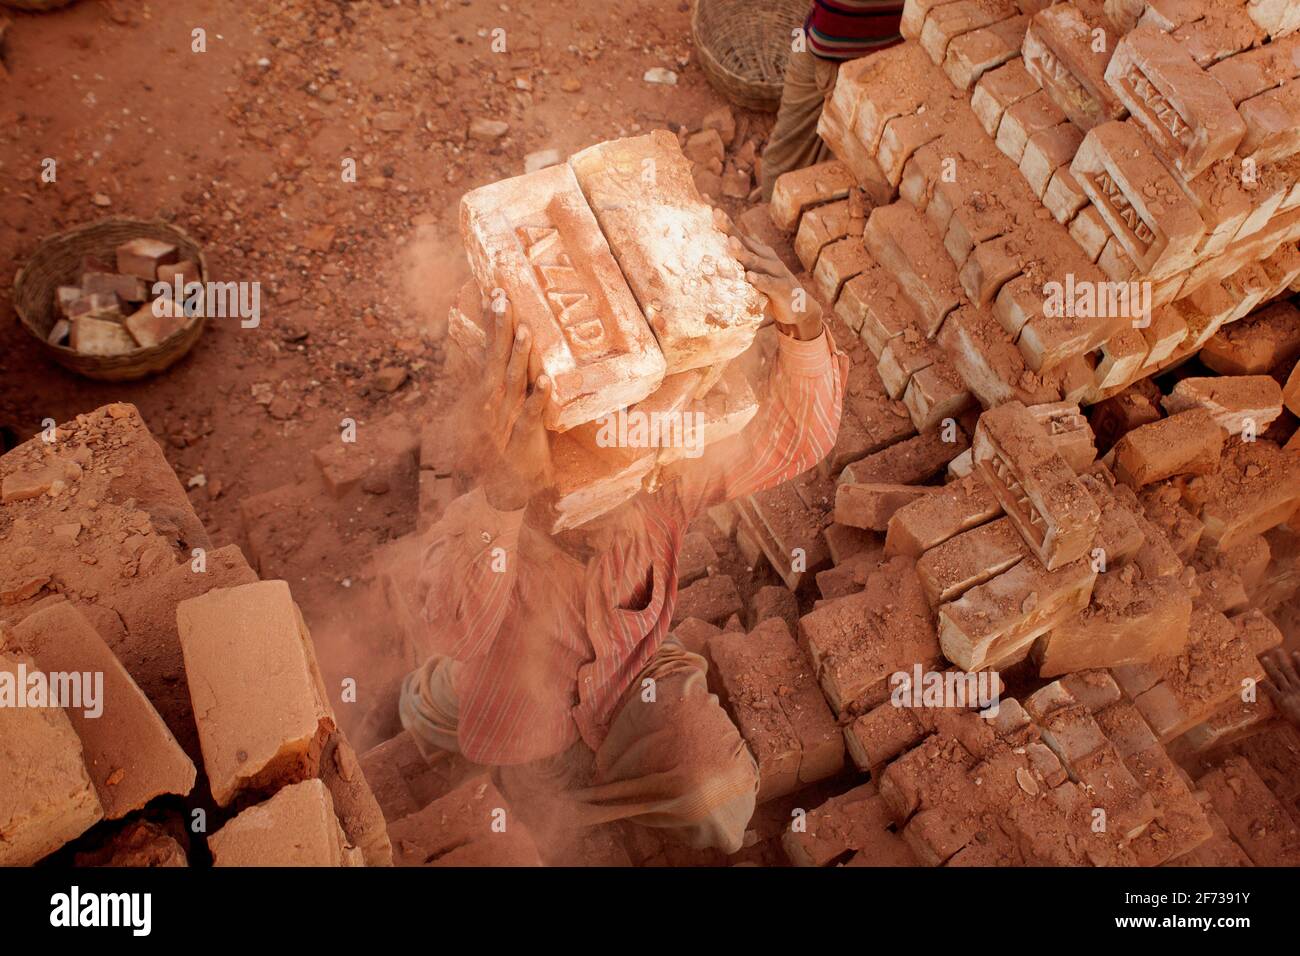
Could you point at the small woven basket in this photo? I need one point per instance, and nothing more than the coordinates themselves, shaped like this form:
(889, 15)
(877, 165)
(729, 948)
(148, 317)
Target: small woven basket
(743, 46)
(57, 261)
(35, 6)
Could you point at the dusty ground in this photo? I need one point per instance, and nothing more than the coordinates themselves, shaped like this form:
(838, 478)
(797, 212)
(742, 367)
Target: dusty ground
(243, 146)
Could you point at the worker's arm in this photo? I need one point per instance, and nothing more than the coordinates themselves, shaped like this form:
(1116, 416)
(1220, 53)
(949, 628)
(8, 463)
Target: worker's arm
(469, 568)
(799, 415)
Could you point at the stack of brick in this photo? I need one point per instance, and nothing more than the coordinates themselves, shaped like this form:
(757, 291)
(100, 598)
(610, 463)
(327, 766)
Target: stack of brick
(636, 307)
(1155, 166)
(100, 547)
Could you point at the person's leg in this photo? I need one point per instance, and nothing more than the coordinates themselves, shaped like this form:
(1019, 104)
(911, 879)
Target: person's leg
(673, 759)
(794, 143)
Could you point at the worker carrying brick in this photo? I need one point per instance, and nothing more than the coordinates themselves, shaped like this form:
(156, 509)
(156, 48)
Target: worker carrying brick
(834, 31)
(557, 668)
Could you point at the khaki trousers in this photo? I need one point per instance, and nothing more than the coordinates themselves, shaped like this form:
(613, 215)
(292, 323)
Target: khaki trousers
(794, 142)
(672, 758)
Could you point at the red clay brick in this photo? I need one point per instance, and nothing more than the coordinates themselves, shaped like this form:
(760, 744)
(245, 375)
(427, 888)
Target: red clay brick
(259, 702)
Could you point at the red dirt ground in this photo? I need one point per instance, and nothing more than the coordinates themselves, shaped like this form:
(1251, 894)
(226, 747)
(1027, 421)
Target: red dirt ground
(242, 146)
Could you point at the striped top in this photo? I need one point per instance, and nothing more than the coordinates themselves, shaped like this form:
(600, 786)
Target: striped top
(845, 29)
(547, 645)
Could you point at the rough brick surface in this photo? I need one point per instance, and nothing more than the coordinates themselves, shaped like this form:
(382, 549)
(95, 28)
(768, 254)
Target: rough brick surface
(131, 755)
(296, 827)
(258, 697)
(46, 797)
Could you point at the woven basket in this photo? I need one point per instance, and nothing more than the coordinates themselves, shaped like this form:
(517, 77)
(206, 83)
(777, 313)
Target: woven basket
(36, 6)
(743, 46)
(56, 262)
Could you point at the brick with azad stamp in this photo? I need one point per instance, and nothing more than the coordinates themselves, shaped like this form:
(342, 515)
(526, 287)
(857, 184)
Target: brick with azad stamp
(693, 292)
(535, 238)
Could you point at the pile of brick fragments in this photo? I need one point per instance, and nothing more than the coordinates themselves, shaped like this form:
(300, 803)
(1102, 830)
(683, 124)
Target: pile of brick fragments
(1100, 516)
(115, 309)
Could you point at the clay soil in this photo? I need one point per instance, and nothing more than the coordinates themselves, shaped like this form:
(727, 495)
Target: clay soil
(243, 147)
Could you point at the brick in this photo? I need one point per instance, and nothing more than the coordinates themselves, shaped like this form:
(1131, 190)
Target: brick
(904, 244)
(698, 303)
(1190, 117)
(259, 702)
(935, 395)
(1256, 488)
(1270, 124)
(819, 228)
(1188, 443)
(1112, 788)
(400, 778)
(1167, 331)
(998, 90)
(987, 359)
(775, 602)
(1291, 392)
(971, 55)
(993, 620)
(836, 133)
(1257, 821)
(1047, 151)
(989, 266)
(910, 462)
(1064, 197)
(772, 694)
(1120, 535)
(1128, 621)
(695, 558)
(878, 306)
(931, 520)
(46, 797)
(1090, 231)
(1143, 206)
(156, 322)
(1275, 17)
(1253, 72)
(1232, 401)
(951, 20)
(524, 235)
(296, 827)
(1068, 431)
(92, 336)
(1122, 355)
(1061, 54)
(856, 823)
(142, 257)
(800, 189)
(712, 599)
(1038, 490)
(857, 641)
(1257, 344)
(871, 506)
(473, 825)
(128, 289)
(384, 452)
(131, 755)
(1022, 120)
(787, 528)
(839, 262)
(902, 357)
(969, 559)
(903, 136)
(881, 734)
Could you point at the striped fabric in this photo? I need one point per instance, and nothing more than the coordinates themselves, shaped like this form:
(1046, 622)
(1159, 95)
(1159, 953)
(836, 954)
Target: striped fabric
(547, 646)
(845, 29)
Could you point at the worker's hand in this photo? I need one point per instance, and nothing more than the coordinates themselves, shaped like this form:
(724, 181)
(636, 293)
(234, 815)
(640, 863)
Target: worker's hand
(521, 464)
(1283, 671)
(796, 313)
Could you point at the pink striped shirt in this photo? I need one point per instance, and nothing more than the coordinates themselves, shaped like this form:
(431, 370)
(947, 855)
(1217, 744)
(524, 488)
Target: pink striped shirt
(546, 644)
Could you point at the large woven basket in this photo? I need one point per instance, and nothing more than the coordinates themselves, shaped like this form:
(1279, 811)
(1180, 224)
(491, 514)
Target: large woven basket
(743, 46)
(56, 262)
(36, 6)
